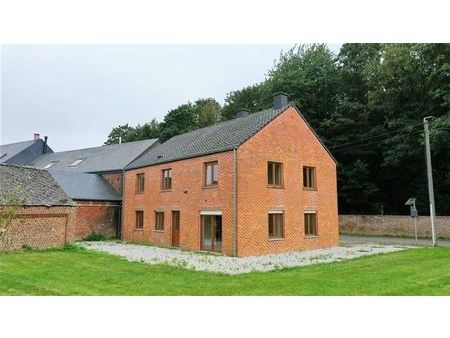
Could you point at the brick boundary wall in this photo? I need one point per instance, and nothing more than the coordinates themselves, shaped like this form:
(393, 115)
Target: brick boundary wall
(41, 228)
(392, 225)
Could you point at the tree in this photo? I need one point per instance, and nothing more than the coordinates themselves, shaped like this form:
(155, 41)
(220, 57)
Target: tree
(207, 111)
(125, 132)
(253, 98)
(179, 120)
(147, 131)
(10, 203)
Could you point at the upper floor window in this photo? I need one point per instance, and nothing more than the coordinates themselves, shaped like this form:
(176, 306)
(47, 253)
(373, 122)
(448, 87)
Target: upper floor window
(140, 183)
(51, 164)
(309, 177)
(159, 221)
(310, 223)
(139, 223)
(275, 174)
(76, 162)
(166, 183)
(211, 173)
(276, 224)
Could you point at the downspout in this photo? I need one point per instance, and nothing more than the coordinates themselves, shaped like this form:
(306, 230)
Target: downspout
(122, 206)
(235, 202)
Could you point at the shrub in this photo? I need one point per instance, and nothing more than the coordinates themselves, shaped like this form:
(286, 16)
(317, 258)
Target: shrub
(26, 247)
(93, 237)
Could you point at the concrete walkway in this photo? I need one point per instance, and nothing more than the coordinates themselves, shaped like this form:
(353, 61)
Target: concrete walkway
(350, 240)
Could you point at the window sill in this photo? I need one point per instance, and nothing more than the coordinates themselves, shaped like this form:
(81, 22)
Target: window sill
(160, 231)
(275, 186)
(309, 189)
(139, 193)
(276, 239)
(138, 229)
(311, 236)
(212, 186)
(165, 190)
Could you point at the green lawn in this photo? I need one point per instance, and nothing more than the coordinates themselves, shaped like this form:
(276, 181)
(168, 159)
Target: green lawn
(75, 271)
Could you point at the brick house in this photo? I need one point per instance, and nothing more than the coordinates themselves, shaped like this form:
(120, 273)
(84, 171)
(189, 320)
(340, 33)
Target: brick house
(47, 216)
(258, 184)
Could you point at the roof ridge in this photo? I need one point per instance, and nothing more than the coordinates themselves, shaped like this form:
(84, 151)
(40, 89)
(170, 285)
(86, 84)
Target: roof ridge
(103, 146)
(32, 141)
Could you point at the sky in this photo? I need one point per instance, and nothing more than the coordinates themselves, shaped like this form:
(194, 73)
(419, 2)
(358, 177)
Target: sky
(75, 94)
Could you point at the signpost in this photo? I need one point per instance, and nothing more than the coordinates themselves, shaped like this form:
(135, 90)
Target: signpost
(414, 214)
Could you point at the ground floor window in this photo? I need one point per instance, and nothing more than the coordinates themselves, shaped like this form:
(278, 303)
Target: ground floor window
(139, 221)
(159, 221)
(310, 223)
(211, 226)
(276, 223)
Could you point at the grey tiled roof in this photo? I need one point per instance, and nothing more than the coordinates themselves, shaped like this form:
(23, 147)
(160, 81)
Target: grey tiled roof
(7, 151)
(99, 159)
(36, 186)
(81, 186)
(216, 138)
(22, 153)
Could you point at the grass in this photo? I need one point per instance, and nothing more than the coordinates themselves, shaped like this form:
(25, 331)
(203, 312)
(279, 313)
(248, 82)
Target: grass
(75, 271)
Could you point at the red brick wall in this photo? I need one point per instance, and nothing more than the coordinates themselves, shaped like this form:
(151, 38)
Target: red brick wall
(40, 228)
(286, 139)
(392, 225)
(115, 180)
(97, 216)
(187, 175)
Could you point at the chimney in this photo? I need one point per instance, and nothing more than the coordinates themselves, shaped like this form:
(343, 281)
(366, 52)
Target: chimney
(280, 100)
(36, 136)
(44, 150)
(242, 113)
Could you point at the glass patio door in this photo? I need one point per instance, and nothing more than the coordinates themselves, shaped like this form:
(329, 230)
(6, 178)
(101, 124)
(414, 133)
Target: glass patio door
(211, 232)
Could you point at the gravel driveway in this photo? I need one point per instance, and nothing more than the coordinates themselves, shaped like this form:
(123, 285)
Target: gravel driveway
(233, 265)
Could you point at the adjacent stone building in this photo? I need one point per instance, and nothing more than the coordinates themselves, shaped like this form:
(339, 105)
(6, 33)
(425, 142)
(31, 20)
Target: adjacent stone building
(46, 216)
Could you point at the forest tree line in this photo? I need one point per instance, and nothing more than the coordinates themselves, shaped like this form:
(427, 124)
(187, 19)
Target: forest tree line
(367, 103)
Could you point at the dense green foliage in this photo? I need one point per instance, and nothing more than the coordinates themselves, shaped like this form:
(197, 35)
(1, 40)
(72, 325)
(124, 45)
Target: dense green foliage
(367, 104)
(80, 272)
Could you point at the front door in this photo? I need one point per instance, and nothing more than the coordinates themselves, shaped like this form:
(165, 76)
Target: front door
(211, 232)
(175, 228)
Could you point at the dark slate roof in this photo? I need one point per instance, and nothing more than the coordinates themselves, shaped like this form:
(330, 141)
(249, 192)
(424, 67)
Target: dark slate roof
(216, 138)
(81, 186)
(36, 186)
(99, 159)
(22, 152)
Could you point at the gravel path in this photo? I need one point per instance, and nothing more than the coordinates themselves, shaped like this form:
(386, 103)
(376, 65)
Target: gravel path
(233, 265)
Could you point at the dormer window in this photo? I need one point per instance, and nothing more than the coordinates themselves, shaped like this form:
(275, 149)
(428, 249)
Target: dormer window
(3, 155)
(77, 162)
(51, 164)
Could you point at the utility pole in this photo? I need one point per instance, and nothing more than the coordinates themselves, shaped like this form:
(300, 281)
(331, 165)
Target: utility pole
(430, 179)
